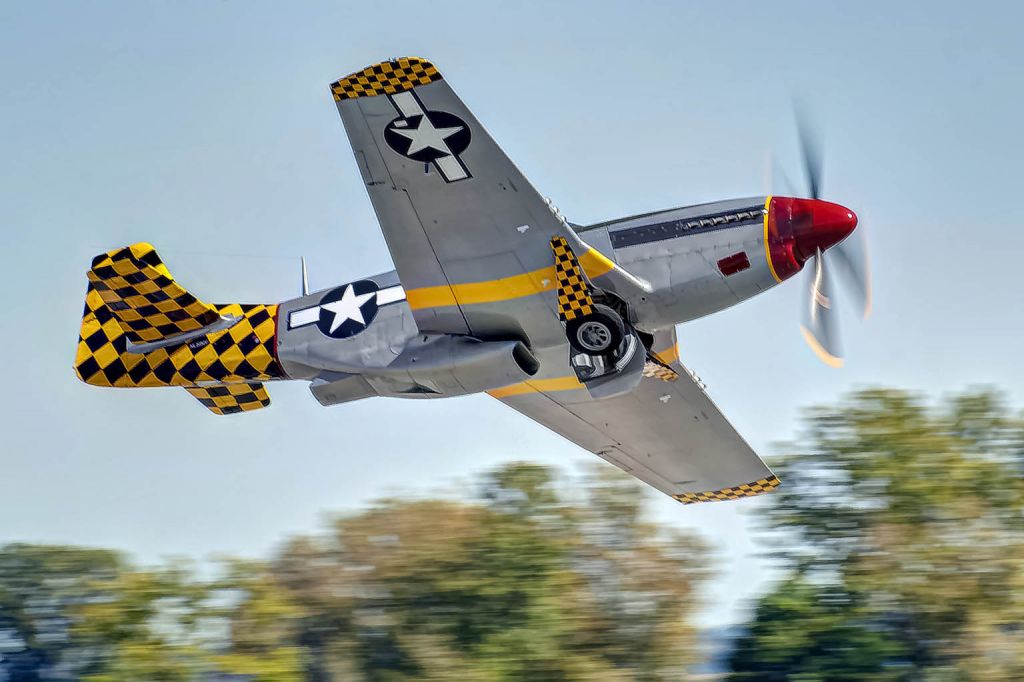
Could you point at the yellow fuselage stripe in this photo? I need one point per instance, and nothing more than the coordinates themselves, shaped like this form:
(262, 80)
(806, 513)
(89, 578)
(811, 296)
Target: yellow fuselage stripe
(767, 248)
(669, 355)
(568, 383)
(503, 289)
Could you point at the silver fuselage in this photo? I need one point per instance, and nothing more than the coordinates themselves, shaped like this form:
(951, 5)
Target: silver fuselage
(695, 261)
(678, 251)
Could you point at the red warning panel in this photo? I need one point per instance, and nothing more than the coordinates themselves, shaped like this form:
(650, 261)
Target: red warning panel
(737, 262)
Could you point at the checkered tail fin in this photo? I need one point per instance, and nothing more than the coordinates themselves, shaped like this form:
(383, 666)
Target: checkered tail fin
(140, 328)
(141, 293)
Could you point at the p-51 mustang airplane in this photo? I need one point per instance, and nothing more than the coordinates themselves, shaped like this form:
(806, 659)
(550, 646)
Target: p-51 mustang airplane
(493, 291)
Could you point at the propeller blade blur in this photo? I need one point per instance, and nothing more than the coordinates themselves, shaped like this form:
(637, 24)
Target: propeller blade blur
(851, 257)
(777, 179)
(811, 152)
(820, 326)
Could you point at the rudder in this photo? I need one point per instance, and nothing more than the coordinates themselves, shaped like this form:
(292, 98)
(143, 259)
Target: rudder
(140, 291)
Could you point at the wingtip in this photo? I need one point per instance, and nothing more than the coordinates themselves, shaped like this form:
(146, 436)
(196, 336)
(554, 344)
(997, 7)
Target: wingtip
(759, 487)
(386, 78)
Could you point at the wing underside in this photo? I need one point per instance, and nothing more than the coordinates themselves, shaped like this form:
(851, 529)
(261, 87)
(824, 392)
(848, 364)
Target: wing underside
(471, 241)
(469, 234)
(667, 432)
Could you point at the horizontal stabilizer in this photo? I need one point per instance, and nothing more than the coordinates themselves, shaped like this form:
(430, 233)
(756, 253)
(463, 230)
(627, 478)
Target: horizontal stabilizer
(231, 398)
(149, 305)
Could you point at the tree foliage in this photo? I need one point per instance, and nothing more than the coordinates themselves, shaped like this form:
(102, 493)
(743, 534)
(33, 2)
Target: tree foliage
(520, 582)
(522, 585)
(902, 528)
(899, 529)
(40, 587)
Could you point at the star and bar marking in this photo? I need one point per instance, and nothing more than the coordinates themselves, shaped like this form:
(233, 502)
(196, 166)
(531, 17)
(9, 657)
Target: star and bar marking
(431, 137)
(346, 310)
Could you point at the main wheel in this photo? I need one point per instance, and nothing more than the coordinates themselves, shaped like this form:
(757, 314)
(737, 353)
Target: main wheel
(598, 333)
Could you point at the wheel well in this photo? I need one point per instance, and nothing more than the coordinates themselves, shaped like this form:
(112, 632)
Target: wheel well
(618, 305)
(613, 302)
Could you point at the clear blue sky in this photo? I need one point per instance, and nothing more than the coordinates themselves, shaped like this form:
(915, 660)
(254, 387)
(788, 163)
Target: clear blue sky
(208, 129)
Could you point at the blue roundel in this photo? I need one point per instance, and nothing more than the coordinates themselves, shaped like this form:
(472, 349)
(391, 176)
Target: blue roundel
(348, 310)
(428, 136)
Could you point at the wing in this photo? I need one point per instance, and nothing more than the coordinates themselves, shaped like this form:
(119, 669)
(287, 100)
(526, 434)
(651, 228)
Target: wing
(667, 432)
(469, 235)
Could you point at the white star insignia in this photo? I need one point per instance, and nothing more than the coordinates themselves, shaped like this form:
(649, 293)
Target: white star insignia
(426, 135)
(349, 307)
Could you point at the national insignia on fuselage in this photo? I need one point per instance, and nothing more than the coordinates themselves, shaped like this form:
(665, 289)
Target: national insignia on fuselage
(346, 310)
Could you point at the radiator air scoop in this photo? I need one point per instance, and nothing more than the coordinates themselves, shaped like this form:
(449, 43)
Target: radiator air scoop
(433, 366)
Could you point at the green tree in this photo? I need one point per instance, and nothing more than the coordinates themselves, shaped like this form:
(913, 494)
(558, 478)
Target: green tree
(261, 638)
(143, 625)
(902, 525)
(521, 585)
(809, 632)
(520, 582)
(40, 585)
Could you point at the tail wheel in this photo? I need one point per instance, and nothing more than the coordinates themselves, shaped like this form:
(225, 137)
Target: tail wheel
(598, 333)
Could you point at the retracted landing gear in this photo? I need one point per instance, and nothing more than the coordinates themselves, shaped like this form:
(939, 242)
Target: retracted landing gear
(604, 349)
(599, 333)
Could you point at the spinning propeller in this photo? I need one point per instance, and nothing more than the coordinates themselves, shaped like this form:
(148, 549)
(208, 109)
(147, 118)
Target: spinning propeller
(818, 233)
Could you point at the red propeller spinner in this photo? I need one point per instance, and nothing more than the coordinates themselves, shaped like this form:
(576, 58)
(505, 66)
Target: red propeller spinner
(797, 228)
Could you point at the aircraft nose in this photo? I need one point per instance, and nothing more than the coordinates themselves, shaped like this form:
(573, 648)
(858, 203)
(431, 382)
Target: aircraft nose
(828, 225)
(797, 228)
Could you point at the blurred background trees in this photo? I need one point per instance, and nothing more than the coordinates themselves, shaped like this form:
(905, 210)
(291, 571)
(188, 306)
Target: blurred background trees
(522, 583)
(899, 529)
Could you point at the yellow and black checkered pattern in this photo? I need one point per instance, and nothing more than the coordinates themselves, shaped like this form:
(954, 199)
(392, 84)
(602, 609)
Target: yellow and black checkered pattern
(244, 351)
(138, 289)
(573, 291)
(746, 490)
(133, 296)
(656, 370)
(386, 78)
(231, 398)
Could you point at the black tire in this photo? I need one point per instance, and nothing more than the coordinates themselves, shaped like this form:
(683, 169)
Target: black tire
(598, 333)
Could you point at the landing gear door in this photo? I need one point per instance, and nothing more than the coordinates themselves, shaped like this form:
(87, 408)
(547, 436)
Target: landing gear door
(607, 376)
